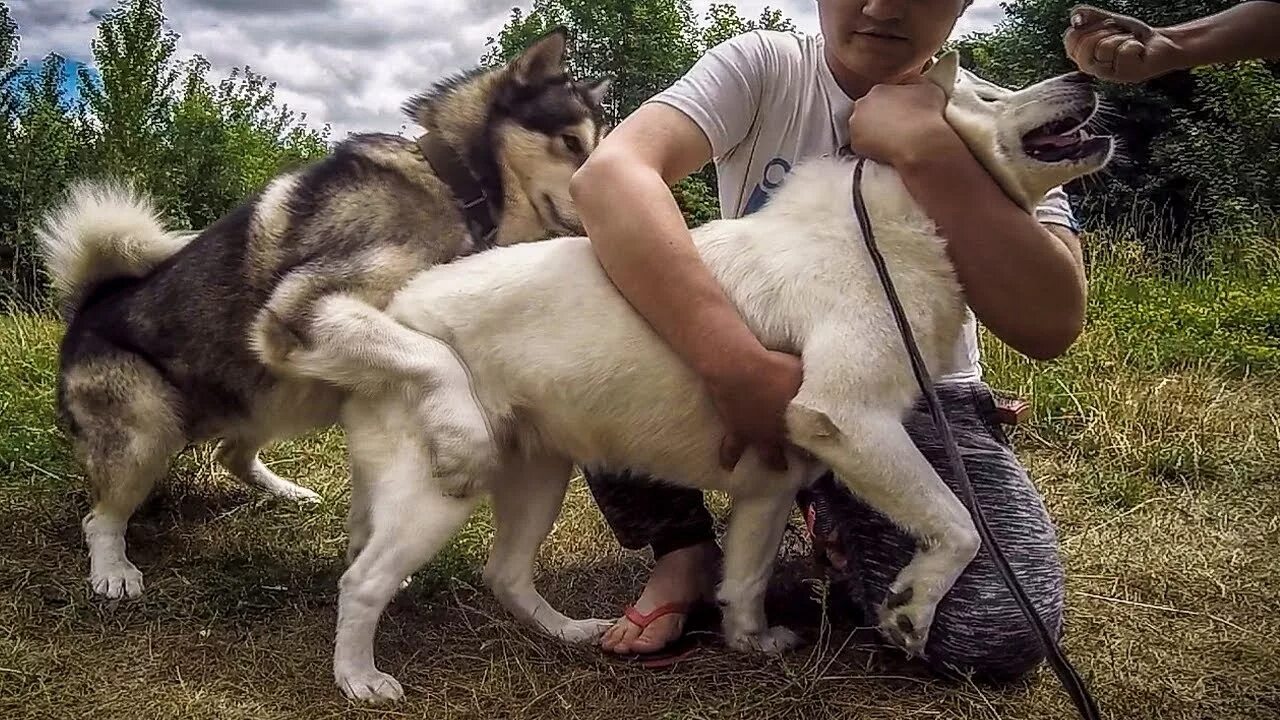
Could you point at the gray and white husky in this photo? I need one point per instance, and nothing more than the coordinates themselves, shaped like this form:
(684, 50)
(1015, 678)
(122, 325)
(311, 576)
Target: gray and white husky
(507, 367)
(170, 336)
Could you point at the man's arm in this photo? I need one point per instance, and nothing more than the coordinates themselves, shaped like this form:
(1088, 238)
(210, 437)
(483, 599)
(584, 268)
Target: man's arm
(1024, 281)
(1125, 49)
(623, 195)
(624, 198)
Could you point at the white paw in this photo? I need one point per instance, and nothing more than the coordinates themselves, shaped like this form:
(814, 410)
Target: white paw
(905, 620)
(369, 686)
(304, 496)
(120, 579)
(774, 641)
(405, 583)
(578, 632)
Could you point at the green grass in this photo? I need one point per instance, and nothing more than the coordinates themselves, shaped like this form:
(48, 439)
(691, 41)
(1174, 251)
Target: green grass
(1156, 442)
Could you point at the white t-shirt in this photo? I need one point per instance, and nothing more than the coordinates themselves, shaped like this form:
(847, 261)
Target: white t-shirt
(767, 100)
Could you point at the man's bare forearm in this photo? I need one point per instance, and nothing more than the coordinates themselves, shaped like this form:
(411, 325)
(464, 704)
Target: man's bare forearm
(647, 250)
(1025, 285)
(1247, 31)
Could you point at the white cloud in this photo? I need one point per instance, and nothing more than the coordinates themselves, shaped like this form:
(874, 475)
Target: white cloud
(350, 63)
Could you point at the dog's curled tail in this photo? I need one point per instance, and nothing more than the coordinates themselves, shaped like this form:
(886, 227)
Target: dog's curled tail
(103, 230)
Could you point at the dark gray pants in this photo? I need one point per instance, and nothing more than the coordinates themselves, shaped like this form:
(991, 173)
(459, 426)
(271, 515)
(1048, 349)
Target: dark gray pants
(978, 628)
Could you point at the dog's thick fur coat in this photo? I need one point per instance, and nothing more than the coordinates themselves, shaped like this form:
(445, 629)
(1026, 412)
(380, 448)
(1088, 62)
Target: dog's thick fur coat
(173, 340)
(506, 368)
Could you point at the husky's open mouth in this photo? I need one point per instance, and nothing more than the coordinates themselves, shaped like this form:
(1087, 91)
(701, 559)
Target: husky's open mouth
(1062, 140)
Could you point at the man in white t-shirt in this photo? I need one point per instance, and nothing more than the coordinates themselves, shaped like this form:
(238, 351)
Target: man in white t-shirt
(757, 105)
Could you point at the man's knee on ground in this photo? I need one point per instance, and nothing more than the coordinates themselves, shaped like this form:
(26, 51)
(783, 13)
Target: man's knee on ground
(994, 644)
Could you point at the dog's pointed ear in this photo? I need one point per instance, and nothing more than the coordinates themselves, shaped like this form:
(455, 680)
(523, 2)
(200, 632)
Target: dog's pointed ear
(543, 59)
(944, 72)
(597, 88)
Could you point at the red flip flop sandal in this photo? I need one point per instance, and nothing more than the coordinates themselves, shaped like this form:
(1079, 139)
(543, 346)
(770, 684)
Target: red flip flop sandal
(680, 647)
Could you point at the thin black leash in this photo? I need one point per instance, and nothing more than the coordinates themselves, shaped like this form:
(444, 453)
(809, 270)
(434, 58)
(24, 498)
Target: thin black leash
(1066, 673)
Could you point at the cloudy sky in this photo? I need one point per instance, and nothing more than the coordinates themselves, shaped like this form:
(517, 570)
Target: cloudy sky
(346, 62)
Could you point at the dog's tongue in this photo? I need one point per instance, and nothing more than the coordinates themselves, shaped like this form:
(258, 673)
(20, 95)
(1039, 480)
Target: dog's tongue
(1055, 141)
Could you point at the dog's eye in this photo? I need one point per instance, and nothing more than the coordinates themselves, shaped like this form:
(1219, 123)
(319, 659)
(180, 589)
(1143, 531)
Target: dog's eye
(572, 143)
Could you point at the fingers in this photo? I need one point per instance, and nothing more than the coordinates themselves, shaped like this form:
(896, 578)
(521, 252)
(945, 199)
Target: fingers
(1084, 12)
(1105, 51)
(1133, 26)
(1086, 18)
(1095, 52)
(1129, 61)
(1087, 48)
(1081, 43)
(731, 449)
(1097, 38)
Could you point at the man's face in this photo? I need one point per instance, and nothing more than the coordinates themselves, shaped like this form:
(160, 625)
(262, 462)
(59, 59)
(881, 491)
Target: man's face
(885, 39)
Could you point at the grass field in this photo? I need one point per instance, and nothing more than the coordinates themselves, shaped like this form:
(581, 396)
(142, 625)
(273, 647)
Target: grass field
(1156, 442)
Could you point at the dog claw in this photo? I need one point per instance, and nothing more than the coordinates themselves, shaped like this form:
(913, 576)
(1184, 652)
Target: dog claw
(906, 624)
(579, 632)
(370, 686)
(307, 496)
(774, 641)
(898, 599)
(123, 581)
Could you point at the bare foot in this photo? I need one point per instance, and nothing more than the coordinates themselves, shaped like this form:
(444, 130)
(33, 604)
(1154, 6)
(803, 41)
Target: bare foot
(681, 576)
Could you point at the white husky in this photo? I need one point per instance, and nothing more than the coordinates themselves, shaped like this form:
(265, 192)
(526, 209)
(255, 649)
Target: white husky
(506, 368)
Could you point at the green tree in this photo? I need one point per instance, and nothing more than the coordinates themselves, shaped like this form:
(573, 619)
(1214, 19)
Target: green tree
(133, 95)
(724, 22)
(245, 139)
(8, 160)
(8, 46)
(1200, 150)
(45, 150)
(198, 147)
(644, 46)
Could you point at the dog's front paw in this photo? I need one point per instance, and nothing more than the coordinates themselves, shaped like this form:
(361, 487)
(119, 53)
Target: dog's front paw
(116, 580)
(368, 685)
(905, 620)
(287, 490)
(773, 641)
(579, 632)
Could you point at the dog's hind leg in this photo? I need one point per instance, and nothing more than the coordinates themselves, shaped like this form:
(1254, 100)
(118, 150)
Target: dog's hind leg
(410, 520)
(124, 429)
(527, 499)
(239, 455)
(361, 348)
(358, 513)
(358, 528)
(762, 501)
(122, 481)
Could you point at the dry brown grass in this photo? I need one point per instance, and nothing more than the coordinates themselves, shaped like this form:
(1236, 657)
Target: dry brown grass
(1164, 484)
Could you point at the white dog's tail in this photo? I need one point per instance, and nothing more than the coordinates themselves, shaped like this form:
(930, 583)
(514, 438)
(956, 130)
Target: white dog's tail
(103, 230)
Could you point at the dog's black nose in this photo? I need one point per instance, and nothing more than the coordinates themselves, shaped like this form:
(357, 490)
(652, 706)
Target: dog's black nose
(1078, 77)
